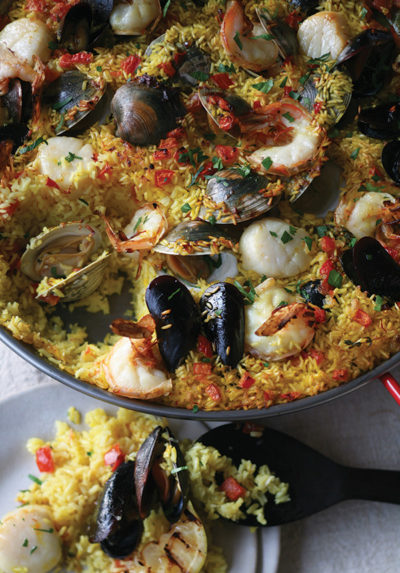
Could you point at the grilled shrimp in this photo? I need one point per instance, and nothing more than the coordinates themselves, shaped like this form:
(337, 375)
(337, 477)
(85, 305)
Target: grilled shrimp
(276, 326)
(289, 138)
(144, 231)
(64, 159)
(27, 39)
(243, 41)
(273, 248)
(183, 549)
(323, 33)
(29, 541)
(134, 17)
(363, 216)
(13, 67)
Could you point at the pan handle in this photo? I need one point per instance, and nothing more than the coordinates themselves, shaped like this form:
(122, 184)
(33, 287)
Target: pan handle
(391, 385)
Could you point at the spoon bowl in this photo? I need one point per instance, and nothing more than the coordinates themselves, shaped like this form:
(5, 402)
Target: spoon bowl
(315, 481)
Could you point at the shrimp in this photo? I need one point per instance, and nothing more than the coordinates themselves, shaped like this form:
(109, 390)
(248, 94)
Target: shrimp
(12, 67)
(276, 324)
(290, 138)
(133, 367)
(144, 230)
(65, 160)
(273, 248)
(28, 39)
(133, 17)
(29, 540)
(182, 549)
(244, 43)
(362, 217)
(323, 33)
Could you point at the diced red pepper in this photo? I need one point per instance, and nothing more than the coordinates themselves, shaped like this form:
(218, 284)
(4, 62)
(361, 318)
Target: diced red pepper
(10, 208)
(223, 81)
(374, 172)
(290, 396)
(168, 69)
(214, 392)
(328, 245)
(70, 60)
(256, 104)
(227, 153)
(287, 90)
(204, 346)
(317, 355)
(201, 369)
(341, 374)
(394, 253)
(326, 268)
(36, 5)
(233, 490)
(208, 169)
(114, 457)
(105, 171)
(130, 64)
(169, 143)
(162, 177)
(44, 459)
(161, 154)
(362, 318)
(178, 57)
(246, 381)
(319, 314)
(317, 106)
(226, 122)
(51, 183)
(60, 10)
(178, 133)
(51, 299)
(268, 397)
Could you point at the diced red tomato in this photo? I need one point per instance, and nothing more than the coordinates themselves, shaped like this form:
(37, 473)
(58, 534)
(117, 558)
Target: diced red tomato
(246, 381)
(290, 396)
(178, 132)
(226, 122)
(214, 392)
(374, 172)
(328, 245)
(394, 253)
(362, 318)
(287, 90)
(319, 314)
(105, 171)
(227, 153)
(169, 143)
(317, 106)
(232, 489)
(130, 64)
(114, 457)
(223, 81)
(51, 183)
(168, 69)
(326, 268)
(201, 369)
(50, 299)
(341, 374)
(36, 5)
(268, 397)
(60, 10)
(161, 154)
(70, 60)
(256, 104)
(162, 177)
(204, 346)
(317, 355)
(44, 459)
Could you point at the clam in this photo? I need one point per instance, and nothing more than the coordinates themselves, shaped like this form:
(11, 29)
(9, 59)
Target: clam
(222, 312)
(176, 316)
(223, 109)
(279, 32)
(334, 88)
(127, 19)
(391, 160)
(191, 268)
(145, 113)
(78, 100)
(239, 196)
(380, 122)
(118, 527)
(194, 67)
(61, 255)
(368, 58)
(197, 238)
(150, 477)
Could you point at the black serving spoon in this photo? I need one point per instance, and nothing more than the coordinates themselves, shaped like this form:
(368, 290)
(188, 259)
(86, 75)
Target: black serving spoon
(315, 482)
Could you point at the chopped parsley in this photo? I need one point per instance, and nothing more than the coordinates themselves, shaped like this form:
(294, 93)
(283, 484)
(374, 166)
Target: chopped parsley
(237, 41)
(288, 116)
(33, 549)
(308, 241)
(244, 170)
(355, 153)
(352, 242)
(378, 302)
(266, 364)
(266, 163)
(25, 543)
(71, 156)
(223, 69)
(212, 220)
(186, 208)
(323, 58)
(286, 237)
(89, 454)
(99, 68)
(264, 87)
(217, 163)
(335, 279)
(304, 78)
(200, 76)
(282, 303)
(195, 409)
(292, 230)
(322, 230)
(283, 82)
(33, 146)
(273, 234)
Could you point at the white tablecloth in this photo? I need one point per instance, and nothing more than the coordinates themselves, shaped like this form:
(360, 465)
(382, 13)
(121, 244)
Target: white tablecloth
(360, 429)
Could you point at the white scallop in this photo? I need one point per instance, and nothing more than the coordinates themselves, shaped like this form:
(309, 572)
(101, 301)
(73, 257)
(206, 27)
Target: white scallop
(23, 545)
(273, 248)
(28, 38)
(134, 17)
(361, 217)
(323, 33)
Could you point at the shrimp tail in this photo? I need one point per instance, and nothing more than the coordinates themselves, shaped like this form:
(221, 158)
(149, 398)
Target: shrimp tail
(136, 330)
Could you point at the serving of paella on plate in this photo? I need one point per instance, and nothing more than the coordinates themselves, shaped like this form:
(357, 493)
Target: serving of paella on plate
(187, 150)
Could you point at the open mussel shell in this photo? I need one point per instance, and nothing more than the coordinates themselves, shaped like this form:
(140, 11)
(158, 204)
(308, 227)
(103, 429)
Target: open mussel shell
(391, 160)
(79, 101)
(222, 312)
(368, 58)
(16, 104)
(318, 194)
(118, 526)
(380, 122)
(194, 67)
(197, 238)
(150, 451)
(74, 31)
(280, 33)
(14, 133)
(176, 316)
(239, 197)
(311, 292)
(336, 95)
(369, 266)
(145, 113)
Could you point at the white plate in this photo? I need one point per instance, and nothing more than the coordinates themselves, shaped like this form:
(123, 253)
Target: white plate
(34, 412)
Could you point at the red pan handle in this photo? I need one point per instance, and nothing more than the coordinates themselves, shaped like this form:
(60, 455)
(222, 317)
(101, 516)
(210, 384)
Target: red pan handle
(391, 385)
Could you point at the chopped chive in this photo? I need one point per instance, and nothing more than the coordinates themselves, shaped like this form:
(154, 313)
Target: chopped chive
(50, 530)
(335, 279)
(83, 201)
(248, 296)
(137, 224)
(33, 549)
(35, 479)
(266, 163)
(264, 87)
(173, 293)
(286, 237)
(165, 9)
(60, 124)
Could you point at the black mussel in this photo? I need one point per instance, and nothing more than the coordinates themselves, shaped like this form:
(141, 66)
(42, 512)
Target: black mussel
(306, 7)
(239, 196)
(15, 133)
(311, 293)
(78, 100)
(381, 122)
(283, 35)
(150, 477)
(368, 58)
(118, 527)
(222, 311)
(74, 32)
(391, 160)
(176, 316)
(194, 66)
(370, 266)
(145, 113)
